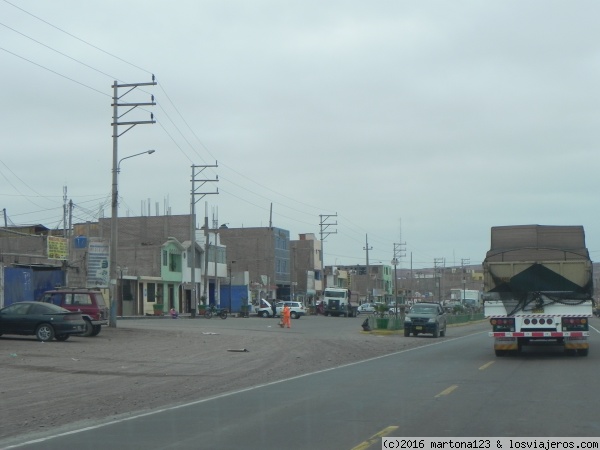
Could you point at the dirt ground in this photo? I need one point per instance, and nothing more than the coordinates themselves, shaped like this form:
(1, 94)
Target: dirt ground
(145, 364)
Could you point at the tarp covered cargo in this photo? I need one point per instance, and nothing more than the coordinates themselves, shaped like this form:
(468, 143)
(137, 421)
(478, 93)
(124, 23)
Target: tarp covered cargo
(538, 258)
(537, 243)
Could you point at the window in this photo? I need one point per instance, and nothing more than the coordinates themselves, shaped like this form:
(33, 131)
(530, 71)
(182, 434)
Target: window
(17, 309)
(165, 256)
(39, 309)
(55, 299)
(82, 299)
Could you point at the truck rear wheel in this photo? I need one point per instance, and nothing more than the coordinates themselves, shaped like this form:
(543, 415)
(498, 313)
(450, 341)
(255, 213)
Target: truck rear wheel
(582, 352)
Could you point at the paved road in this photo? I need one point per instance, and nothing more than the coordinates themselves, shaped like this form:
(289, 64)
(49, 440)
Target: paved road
(446, 387)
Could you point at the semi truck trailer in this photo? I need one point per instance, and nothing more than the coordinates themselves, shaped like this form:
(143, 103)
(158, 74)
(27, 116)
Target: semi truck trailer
(538, 288)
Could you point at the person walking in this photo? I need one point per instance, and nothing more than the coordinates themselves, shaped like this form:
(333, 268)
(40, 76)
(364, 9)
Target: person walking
(273, 308)
(286, 316)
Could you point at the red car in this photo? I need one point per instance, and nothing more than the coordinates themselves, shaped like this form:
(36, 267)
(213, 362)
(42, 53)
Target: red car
(89, 302)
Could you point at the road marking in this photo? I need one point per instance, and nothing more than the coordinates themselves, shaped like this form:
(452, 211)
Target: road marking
(447, 391)
(375, 438)
(486, 365)
(125, 418)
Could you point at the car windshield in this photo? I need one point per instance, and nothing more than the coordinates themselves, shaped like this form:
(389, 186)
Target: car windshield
(423, 310)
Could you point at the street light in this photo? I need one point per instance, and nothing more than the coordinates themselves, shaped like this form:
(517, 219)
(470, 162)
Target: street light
(114, 233)
(131, 156)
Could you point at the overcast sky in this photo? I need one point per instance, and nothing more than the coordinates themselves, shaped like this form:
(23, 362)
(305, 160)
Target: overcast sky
(422, 123)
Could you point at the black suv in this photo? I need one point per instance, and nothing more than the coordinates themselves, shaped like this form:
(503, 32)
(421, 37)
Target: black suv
(89, 302)
(425, 317)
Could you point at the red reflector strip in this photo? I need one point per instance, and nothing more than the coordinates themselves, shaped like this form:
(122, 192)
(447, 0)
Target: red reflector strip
(540, 334)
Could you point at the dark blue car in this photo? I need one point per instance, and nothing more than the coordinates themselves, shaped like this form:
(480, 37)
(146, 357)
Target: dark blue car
(45, 321)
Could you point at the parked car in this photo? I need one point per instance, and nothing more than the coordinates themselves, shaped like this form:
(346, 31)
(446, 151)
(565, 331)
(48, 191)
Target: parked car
(425, 317)
(264, 310)
(89, 302)
(42, 320)
(397, 310)
(366, 308)
(297, 309)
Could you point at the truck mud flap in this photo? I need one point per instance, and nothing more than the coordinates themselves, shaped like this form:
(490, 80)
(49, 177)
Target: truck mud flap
(506, 344)
(576, 343)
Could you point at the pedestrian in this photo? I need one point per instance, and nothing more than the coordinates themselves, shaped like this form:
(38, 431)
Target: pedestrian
(321, 308)
(174, 314)
(273, 308)
(286, 316)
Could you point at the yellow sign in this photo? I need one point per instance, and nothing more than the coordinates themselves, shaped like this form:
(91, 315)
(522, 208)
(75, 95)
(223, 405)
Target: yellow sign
(58, 248)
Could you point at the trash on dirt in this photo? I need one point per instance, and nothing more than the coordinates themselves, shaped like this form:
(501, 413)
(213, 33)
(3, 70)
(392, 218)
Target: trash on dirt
(75, 359)
(237, 350)
(14, 355)
(208, 332)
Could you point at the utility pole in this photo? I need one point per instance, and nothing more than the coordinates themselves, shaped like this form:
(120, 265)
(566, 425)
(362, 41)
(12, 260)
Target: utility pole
(65, 212)
(463, 262)
(437, 263)
(196, 171)
(367, 248)
(115, 191)
(216, 228)
(292, 269)
(398, 255)
(323, 218)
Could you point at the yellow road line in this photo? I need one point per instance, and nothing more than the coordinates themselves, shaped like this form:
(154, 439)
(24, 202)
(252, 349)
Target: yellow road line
(485, 366)
(375, 438)
(447, 391)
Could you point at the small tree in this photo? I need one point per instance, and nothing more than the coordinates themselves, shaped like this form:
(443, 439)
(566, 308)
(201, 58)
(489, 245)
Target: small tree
(381, 309)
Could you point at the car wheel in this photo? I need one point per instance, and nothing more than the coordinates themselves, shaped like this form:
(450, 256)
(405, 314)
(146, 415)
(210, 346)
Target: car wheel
(44, 332)
(436, 332)
(415, 333)
(443, 332)
(294, 315)
(96, 330)
(583, 351)
(406, 332)
(62, 337)
(89, 329)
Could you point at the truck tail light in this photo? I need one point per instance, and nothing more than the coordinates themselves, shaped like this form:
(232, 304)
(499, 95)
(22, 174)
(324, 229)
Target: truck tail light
(503, 323)
(574, 324)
